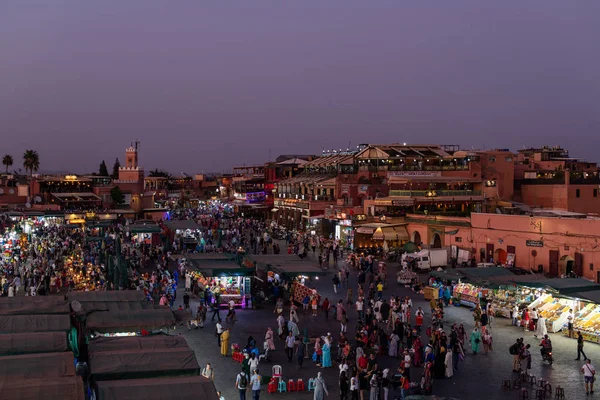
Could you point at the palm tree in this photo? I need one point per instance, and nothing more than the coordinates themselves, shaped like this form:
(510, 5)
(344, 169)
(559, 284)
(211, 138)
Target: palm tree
(8, 161)
(31, 161)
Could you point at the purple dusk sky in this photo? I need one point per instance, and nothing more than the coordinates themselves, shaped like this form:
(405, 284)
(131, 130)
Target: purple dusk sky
(206, 85)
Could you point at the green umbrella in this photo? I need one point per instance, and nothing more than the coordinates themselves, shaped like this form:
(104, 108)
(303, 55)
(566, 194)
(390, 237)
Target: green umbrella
(410, 247)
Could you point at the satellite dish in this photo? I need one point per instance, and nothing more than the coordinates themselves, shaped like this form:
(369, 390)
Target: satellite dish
(11, 191)
(27, 205)
(37, 199)
(76, 306)
(1, 191)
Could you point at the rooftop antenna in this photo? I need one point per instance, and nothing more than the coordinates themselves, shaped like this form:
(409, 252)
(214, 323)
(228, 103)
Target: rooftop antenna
(137, 144)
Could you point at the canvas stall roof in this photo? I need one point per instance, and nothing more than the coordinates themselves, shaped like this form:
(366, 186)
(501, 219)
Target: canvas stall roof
(514, 280)
(111, 295)
(145, 343)
(297, 269)
(220, 268)
(563, 286)
(590, 295)
(484, 272)
(90, 306)
(116, 321)
(134, 364)
(182, 224)
(275, 259)
(38, 366)
(396, 232)
(144, 228)
(207, 256)
(33, 305)
(28, 343)
(35, 323)
(188, 387)
(66, 388)
(447, 274)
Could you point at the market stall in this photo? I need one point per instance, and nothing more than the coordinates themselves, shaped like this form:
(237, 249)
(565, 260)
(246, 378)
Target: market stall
(469, 294)
(558, 296)
(227, 280)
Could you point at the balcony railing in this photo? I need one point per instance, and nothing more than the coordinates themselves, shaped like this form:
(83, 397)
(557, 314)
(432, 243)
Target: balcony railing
(434, 193)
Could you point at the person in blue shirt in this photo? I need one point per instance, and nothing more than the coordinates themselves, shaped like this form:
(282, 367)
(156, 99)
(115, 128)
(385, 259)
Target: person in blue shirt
(255, 384)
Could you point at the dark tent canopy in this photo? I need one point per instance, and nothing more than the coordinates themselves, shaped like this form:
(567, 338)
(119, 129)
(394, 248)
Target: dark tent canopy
(126, 306)
(145, 343)
(34, 323)
(563, 286)
(28, 343)
(66, 388)
(189, 387)
(182, 224)
(116, 321)
(33, 305)
(38, 366)
(110, 295)
(133, 364)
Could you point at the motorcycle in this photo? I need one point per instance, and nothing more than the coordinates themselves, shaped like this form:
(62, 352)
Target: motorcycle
(547, 356)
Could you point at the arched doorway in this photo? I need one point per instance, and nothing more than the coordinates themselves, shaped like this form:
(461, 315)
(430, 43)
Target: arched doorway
(436, 242)
(500, 256)
(566, 265)
(416, 239)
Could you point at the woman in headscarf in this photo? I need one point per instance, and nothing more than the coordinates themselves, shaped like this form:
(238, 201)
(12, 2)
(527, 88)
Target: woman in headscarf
(448, 363)
(344, 386)
(393, 350)
(475, 340)
(462, 334)
(320, 388)
(359, 353)
(318, 352)
(439, 367)
(280, 325)
(385, 383)
(326, 353)
(340, 311)
(373, 387)
(418, 351)
(269, 339)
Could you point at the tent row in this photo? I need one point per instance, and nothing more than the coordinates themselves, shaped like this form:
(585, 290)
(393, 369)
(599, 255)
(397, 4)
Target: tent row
(149, 365)
(36, 359)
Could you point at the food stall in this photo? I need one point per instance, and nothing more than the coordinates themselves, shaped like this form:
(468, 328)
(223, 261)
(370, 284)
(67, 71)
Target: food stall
(405, 276)
(226, 279)
(504, 300)
(469, 294)
(557, 296)
(587, 318)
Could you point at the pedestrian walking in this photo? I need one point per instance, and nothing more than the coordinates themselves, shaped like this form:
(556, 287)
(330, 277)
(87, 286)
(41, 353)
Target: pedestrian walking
(208, 372)
(299, 350)
(289, 346)
(580, 346)
(255, 384)
(344, 386)
(241, 384)
(589, 374)
(215, 308)
(320, 388)
(218, 332)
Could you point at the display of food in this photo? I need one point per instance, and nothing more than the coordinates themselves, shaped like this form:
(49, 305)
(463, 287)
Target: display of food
(587, 321)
